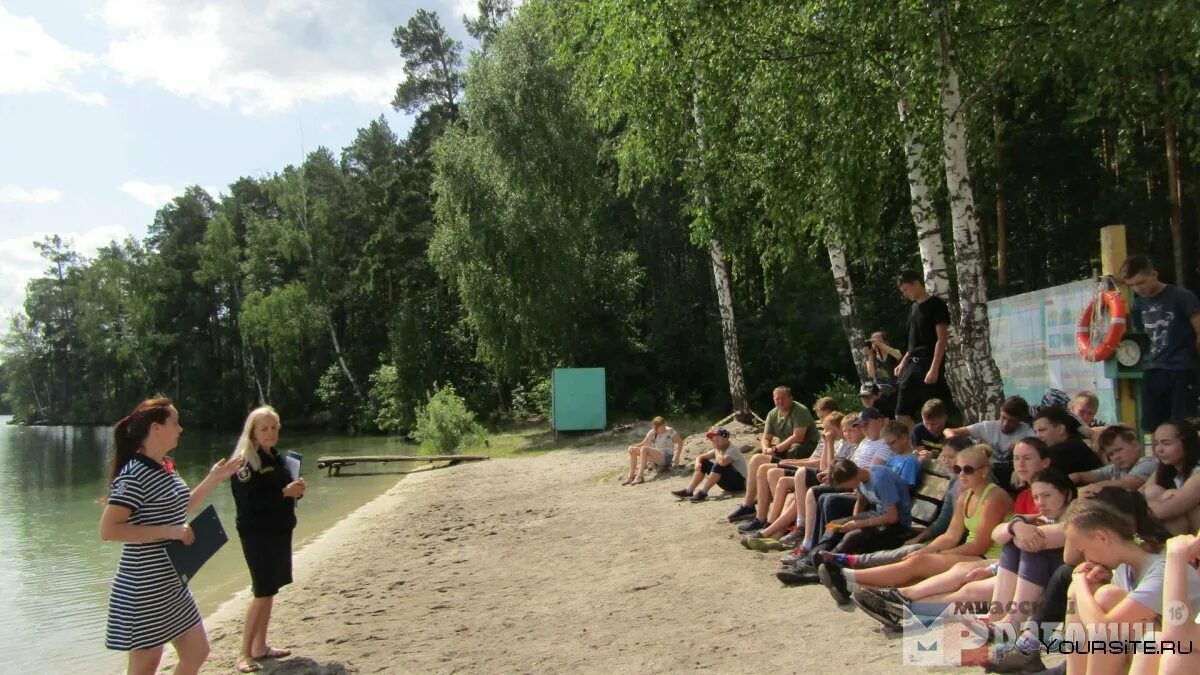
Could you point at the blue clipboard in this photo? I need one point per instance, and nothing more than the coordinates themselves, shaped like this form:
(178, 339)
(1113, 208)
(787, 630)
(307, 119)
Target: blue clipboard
(210, 537)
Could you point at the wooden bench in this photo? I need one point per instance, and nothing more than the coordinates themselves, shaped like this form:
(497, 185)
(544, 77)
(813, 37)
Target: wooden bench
(334, 465)
(929, 495)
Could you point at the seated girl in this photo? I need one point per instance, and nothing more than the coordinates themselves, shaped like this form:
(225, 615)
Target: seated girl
(1031, 550)
(979, 509)
(1174, 493)
(1183, 555)
(1118, 590)
(662, 445)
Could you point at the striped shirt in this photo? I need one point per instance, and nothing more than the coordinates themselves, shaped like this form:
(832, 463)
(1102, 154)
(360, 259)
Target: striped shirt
(149, 606)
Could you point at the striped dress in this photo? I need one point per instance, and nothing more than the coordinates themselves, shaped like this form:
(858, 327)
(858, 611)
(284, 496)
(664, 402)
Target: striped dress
(148, 606)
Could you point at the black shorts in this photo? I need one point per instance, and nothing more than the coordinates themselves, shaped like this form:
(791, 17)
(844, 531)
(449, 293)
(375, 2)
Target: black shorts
(729, 479)
(269, 557)
(1167, 394)
(790, 470)
(810, 478)
(911, 390)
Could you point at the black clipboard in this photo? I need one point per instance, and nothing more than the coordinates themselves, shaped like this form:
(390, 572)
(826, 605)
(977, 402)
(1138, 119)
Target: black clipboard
(210, 537)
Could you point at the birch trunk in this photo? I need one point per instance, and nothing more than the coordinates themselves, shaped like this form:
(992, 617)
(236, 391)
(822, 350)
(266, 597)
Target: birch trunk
(929, 234)
(724, 289)
(846, 307)
(973, 375)
(1174, 184)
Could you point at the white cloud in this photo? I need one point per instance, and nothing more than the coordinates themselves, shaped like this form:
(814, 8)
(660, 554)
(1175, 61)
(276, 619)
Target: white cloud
(20, 261)
(15, 194)
(32, 62)
(258, 56)
(150, 194)
(465, 7)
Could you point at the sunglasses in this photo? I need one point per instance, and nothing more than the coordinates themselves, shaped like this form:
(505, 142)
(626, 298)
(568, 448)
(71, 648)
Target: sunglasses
(968, 469)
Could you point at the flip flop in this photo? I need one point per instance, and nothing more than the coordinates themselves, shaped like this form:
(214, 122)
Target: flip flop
(246, 666)
(273, 653)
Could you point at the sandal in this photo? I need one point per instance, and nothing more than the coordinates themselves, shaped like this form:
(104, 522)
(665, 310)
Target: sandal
(273, 653)
(626, 481)
(639, 480)
(246, 665)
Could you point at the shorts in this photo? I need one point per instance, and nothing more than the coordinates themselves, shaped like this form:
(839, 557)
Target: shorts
(810, 478)
(1167, 394)
(728, 479)
(790, 470)
(911, 390)
(269, 557)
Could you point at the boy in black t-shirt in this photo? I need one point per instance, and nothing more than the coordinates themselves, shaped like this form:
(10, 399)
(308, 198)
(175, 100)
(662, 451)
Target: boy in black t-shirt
(928, 437)
(919, 375)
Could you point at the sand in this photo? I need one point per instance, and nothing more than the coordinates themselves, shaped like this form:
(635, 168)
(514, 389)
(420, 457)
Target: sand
(546, 564)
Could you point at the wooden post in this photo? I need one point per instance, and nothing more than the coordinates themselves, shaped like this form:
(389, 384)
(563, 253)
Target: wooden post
(1112, 254)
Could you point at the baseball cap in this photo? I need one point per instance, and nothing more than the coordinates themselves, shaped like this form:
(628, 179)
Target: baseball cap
(868, 389)
(717, 431)
(871, 414)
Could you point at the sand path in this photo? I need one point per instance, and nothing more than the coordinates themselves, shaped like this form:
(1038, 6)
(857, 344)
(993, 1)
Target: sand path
(544, 564)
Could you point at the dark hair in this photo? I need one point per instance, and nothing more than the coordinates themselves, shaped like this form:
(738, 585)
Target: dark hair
(1114, 433)
(1136, 264)
(1016, 407)
(910, 277)
(933, 409)
(1058, 479)
(1036, 443)
(841, 471)
(958, 443)
(131, 431)
(1165, 475)
(1059, 417)
(1122, 512)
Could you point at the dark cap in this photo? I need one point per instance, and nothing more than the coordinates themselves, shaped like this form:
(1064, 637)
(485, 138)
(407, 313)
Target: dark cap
(717, 431)
(868, 389)
(869, 414)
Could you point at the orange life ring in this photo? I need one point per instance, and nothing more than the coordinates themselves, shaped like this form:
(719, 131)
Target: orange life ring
(1116, 328)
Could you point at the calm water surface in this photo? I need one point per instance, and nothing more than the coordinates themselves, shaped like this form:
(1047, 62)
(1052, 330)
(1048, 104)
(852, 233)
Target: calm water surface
(54, 570)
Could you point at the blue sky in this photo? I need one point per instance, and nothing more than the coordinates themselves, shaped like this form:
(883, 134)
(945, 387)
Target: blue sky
(108, 108)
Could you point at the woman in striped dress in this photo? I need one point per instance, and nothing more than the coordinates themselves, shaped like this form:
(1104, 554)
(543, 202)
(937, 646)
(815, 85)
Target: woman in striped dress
(147, 507)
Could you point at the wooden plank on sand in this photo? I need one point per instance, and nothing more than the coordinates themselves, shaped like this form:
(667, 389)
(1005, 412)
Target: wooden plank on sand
(334, 464)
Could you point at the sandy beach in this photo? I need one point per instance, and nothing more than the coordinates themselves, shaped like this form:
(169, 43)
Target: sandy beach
(546, 564)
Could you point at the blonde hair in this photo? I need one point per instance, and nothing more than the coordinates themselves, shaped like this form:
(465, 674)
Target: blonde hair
(657, 422)
(245, 447)
(978, 452)
(850, 419)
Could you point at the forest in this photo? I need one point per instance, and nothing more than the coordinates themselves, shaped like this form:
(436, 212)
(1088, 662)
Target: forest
(708, 199)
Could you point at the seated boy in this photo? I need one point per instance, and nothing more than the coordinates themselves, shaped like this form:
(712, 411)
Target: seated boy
(929, 435)
(1127, 467)
(903, 461)
(723, 466)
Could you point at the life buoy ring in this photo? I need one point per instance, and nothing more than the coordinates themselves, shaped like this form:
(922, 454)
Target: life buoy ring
(1116, 328)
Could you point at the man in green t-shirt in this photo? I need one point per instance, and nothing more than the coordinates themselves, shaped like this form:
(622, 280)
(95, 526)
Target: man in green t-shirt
(791, 433)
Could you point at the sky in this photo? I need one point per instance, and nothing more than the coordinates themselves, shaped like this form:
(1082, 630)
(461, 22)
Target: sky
(109, 108)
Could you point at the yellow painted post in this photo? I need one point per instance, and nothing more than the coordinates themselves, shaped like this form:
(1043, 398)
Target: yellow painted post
(1112, 254)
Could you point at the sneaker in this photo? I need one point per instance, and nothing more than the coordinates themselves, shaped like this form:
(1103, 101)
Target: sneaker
(682, 494)
(747, 538)
(763, 544)
(792, 539)
(743, 512)
(752, 525)
(1009, 659)
(832, 578)
(839, 559)
(980, 627)
(874, 606)
(699, 496)
(792, 575)
(798, 554)
(892, 596)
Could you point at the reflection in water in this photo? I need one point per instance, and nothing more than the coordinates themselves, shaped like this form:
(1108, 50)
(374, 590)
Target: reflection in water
(55, 571)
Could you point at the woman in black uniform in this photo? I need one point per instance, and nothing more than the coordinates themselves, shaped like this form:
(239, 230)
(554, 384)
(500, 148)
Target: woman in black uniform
(146, 509)
(265, 493)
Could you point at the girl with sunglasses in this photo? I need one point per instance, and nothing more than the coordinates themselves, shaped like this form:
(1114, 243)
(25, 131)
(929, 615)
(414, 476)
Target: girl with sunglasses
(981, 506)
(996, 580)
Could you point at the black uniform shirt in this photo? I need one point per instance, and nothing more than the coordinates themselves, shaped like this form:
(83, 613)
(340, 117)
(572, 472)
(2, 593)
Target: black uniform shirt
(261, 506)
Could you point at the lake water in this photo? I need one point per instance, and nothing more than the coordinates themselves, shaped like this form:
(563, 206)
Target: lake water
(54, 570)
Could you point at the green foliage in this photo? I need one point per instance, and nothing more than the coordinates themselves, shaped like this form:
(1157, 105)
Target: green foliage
(534, 402)
(844, 392)
(445, 424)
(386, 400)
(431, 64)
